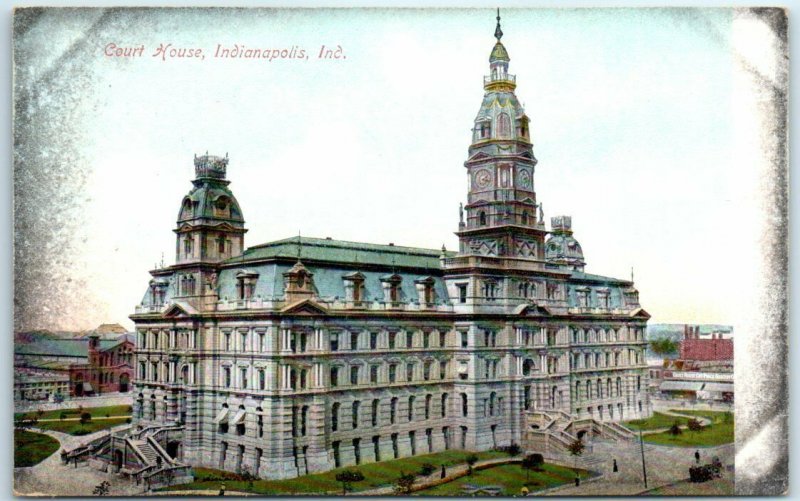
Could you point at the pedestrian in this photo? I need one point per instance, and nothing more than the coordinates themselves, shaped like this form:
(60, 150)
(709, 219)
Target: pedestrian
(444, 472)
(616, 468)
(221, 489)
(577, 480)
(697, 456)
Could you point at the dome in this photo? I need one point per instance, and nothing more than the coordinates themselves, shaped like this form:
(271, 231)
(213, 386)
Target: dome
(561, 247)
(499, 53)
(210, 198)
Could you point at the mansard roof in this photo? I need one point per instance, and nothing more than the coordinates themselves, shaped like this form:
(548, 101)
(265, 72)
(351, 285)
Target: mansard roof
(340, 251)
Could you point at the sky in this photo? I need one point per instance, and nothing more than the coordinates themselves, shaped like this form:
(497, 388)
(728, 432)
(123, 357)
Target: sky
(645, 122)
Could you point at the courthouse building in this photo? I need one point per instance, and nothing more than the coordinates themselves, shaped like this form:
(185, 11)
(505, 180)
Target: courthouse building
(305, 354)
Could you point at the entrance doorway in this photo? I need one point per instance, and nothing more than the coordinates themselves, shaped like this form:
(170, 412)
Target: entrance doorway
(124, 381)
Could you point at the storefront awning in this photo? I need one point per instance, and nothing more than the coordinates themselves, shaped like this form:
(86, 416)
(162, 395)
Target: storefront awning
(222, 415)
(239, 417)
(721, 387)
(681, 386)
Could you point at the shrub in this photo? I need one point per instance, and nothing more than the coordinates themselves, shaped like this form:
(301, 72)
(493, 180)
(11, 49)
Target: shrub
(85, 417)
(128, 420)
(405, 483)
(347, 477)
(532, 462)
(695, 424)
(426, 469)
(675, 429)
(108, 415)
(511, 450)
(63, 416)
(576, 447)
(471, 460)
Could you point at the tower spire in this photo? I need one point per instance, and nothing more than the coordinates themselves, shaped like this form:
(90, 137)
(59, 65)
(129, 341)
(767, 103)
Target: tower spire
(498, 33)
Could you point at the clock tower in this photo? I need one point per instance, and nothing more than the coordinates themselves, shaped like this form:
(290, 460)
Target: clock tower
(502, 216)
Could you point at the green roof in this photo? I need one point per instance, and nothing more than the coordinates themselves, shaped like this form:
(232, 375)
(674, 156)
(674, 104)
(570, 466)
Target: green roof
(340, 251)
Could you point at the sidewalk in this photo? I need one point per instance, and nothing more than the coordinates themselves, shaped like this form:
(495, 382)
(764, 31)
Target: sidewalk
(103, 400)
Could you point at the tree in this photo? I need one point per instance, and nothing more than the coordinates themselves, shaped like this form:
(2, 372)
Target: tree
(404, 483)
(663, 346)
(575, 449)
(675, 429)
(347, 477)
(102, 489)
(531, 462)
(471, 460)
(695, 424)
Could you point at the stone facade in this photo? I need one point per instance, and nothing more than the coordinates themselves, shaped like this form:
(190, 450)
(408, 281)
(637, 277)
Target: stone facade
(306, 354)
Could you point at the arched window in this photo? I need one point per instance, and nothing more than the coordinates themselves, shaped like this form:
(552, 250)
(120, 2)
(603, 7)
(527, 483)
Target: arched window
(444, 404)
(503, 125)
(335, 416)
(411, 408)
(464, 406)
(356, 405)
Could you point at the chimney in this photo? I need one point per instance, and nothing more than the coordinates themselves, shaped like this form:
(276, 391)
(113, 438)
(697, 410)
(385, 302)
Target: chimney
(685, 332)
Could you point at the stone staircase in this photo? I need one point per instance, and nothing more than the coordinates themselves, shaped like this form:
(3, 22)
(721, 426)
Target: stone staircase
(553, 431)
(149, 454)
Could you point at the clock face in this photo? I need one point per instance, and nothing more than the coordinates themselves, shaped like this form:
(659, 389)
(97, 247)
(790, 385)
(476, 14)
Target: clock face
(525, 179)
(483, 178)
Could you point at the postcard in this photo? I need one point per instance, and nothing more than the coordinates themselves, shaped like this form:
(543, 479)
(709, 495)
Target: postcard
(437, 252)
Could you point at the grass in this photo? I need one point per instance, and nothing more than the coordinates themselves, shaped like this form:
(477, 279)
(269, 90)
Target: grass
(511, 477)
(32, 448)
(111, 410)
(720, 431)
(656, 421)
(76, 428)
(375, 475)
(714, 416)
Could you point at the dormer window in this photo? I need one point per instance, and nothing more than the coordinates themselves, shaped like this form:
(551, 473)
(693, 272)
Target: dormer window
(222, 207)
(391, 288)
(354, 287)
(246, 284)
(425, 290)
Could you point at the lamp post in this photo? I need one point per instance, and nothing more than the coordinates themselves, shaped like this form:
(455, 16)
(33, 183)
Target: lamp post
(644, 467)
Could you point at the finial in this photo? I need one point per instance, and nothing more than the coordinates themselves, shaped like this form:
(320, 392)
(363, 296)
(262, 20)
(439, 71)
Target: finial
(299, 246)
(631, 273)
(498, 33)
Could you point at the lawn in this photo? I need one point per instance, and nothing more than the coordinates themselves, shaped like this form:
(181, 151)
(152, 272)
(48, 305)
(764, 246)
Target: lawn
(375, 475)
(714, 416)
(111, 410)
(656, 421)
(32, 448)
(511, 477)
(721, 431)
(76, 428)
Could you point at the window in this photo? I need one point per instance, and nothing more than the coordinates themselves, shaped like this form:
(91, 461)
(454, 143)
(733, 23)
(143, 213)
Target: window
(261, 341)
(464, 402)
(444, 404)
(462, 293)
(428, 399)
(353, 341)
(221, 244)
(227, 376)
(442, 369)
(243, 377)
(503, 125)
(526, 397)
(482, 218)
(227, 341)
(357, 450)
(412, 439)
(373, 374)
(376, 440)
(375, 406)
(334, 376)
(353, 375)
(373, 340)
(262, 379)
(411, 408)
(260, 422)
(187, 246)
(464, 339)
(409, 372)
(334, 341)
(490, 290)
(394, 445)
(392, 340)
(426, 371)
(426, 339)
(393, 410)
(392, 373)
(335, 416)
(356, 406)
(336, 458)
(409, 339)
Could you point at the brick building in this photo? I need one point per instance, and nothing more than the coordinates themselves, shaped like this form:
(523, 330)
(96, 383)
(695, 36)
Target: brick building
(706, 349)
(109, 368)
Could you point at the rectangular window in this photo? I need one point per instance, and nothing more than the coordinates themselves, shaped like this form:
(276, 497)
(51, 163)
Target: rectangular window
(373, 374)
(392, 340)
(353, 375)
(227, 377)
(392, 373)
(334, 342)
(243, 376)
(353, 340)
(462, 293)
(409, 339)
(262, 379)
(334, 376)
(227, 341)
(373, 340)
(426, 371)
(442, 339)
(426, 339)
(464, 340)
(409, 372)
